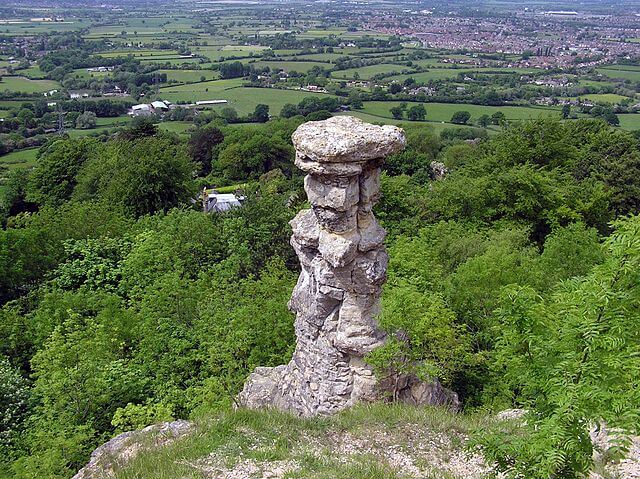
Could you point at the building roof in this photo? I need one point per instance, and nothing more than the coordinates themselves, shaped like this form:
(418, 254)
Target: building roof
(222, 201)
(159, 104)
(210, 102)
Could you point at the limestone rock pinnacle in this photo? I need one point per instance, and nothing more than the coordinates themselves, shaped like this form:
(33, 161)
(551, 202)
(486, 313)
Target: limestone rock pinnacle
(340, 247)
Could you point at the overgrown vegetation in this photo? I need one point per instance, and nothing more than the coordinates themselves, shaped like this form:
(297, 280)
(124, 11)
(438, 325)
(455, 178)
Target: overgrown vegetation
(512, 280)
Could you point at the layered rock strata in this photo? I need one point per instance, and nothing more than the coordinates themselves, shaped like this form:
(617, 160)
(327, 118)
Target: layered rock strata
(344, 262)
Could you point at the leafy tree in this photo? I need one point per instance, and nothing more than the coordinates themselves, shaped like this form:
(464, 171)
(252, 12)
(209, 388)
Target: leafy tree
(566, 111)
(229, 114)
(570, 360)
(425, 340)
(141, 127)
(460, 117)
(498, 118)
(86, 120)
(395, 88)
(409, 81)
(14, 401)
(318, 115)
(613, 157)
(261, 113)
(249, 326)
(232, 70)
(81, 378)
(252, 157)
(484, 121)
(55, 175)
(143, 176)
(416, 113)
(289, 110)
(397, 112)
(355, 100)
(13, 197)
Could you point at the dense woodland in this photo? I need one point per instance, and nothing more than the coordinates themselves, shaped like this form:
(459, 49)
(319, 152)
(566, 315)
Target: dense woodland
(514, 279)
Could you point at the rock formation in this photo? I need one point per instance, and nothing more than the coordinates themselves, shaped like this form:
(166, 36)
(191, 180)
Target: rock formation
(120, 450)
(344, 262)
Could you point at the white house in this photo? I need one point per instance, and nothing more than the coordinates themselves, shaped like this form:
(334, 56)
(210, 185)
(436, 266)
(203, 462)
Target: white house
(214, 202)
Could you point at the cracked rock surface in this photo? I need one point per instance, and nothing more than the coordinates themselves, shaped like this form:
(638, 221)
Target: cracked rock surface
(340, 247)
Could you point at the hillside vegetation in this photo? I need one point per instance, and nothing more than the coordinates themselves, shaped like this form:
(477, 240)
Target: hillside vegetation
(514, 281)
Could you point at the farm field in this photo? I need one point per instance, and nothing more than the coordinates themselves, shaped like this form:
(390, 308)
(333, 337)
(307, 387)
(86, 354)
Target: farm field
(137, 53)
(595, 83)
(189, 76)
(203, 87)
(31, 28)
(23, 84)
(33, 72)
(322, 57)
(93, 131)
(442, 112)
(436, 126)
(451, 73)
(118, 120)
(366, 73)
(180, 127)
(301, 67)
(82, 73)
(175, 61)
(612, 98)
(630, 121)
(633, 75)
(244, 100)
(217, 53)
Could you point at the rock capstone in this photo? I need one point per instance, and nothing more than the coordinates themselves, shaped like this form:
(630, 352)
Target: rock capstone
(341, 250)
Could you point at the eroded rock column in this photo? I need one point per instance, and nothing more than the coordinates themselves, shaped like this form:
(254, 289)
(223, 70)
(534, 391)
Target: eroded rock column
(344, 262)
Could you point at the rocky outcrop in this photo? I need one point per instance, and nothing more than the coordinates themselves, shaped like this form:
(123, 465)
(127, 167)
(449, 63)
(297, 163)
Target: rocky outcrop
(340, 247)
(117, 452)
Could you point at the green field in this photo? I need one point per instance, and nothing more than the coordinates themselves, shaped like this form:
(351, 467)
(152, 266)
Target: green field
(113, 121)
(301, 67)
(365, 73)
(218, 53)
(189, 76)
(595, 83)
(434, 125)
(23, 84)
(612, 98)
(322, 57)
(172, 61)
(90, 132)
(180, 127)
(188, 92)
(82, 73)
(31, 28)
(442, 112)
(137, 53)
(624, 74)
(33, 73)
(450, 73)
(630, 121)
(244, 100)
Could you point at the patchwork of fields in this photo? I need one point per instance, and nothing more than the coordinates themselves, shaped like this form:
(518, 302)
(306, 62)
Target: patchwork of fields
(191, 54)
